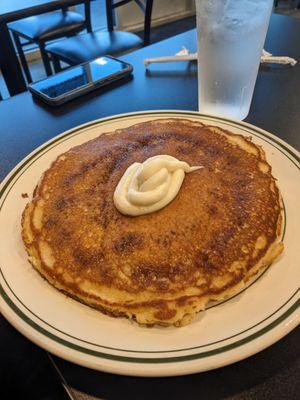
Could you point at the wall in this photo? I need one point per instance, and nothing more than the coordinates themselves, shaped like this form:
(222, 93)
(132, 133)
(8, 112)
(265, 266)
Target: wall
(131, 17)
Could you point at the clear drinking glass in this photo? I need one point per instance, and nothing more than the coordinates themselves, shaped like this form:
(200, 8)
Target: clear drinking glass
(231, 35)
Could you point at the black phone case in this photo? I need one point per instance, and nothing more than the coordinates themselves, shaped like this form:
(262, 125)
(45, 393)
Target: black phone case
(84, 90)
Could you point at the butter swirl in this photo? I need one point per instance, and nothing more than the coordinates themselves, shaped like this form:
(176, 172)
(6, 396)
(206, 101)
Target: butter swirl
(149, 186)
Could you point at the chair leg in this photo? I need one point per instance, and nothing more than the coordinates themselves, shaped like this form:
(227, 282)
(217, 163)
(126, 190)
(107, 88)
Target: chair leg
(147, 26)
(87, 13)
(56, 63)
(109, 15)
(22, 57)
(45, 58)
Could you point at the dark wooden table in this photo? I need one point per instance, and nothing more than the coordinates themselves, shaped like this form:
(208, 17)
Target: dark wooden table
(25, 124)
(12, 10)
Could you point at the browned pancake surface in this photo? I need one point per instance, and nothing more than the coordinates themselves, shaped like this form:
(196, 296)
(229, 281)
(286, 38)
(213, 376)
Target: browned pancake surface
(218, 229)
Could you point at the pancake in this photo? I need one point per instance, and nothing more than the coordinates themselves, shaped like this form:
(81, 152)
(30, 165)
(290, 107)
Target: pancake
(162, 268)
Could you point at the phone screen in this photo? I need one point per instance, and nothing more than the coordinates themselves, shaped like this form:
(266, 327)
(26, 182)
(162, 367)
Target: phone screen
(79, 76)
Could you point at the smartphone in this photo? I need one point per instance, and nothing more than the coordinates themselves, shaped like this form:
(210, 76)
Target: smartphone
(81, 79)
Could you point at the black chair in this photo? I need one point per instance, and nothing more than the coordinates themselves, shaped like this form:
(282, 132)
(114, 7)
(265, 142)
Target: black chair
(45, 27)
(88, 46)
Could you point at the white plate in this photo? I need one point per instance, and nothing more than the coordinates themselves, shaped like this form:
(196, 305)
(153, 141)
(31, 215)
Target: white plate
(223, 334)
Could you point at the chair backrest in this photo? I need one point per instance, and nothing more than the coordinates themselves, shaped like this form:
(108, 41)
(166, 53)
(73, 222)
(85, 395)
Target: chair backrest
(145, 6)
(87, 14)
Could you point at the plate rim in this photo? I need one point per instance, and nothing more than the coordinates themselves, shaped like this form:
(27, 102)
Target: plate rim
(152, 114)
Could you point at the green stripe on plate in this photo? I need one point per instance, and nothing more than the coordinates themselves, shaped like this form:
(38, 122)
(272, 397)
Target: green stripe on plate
(156, 360)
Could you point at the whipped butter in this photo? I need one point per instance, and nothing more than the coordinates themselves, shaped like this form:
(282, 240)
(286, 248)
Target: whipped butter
(149, 186)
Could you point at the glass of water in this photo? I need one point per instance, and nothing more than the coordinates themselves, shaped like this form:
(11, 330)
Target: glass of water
(231, 35)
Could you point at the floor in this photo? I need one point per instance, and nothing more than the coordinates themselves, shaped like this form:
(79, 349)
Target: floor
(286, 7)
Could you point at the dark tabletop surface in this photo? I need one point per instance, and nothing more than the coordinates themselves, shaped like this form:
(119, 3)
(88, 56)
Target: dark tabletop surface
(8, 8)
(26, 123)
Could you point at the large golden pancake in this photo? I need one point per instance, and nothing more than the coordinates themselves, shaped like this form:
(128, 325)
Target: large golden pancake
(163, 267)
